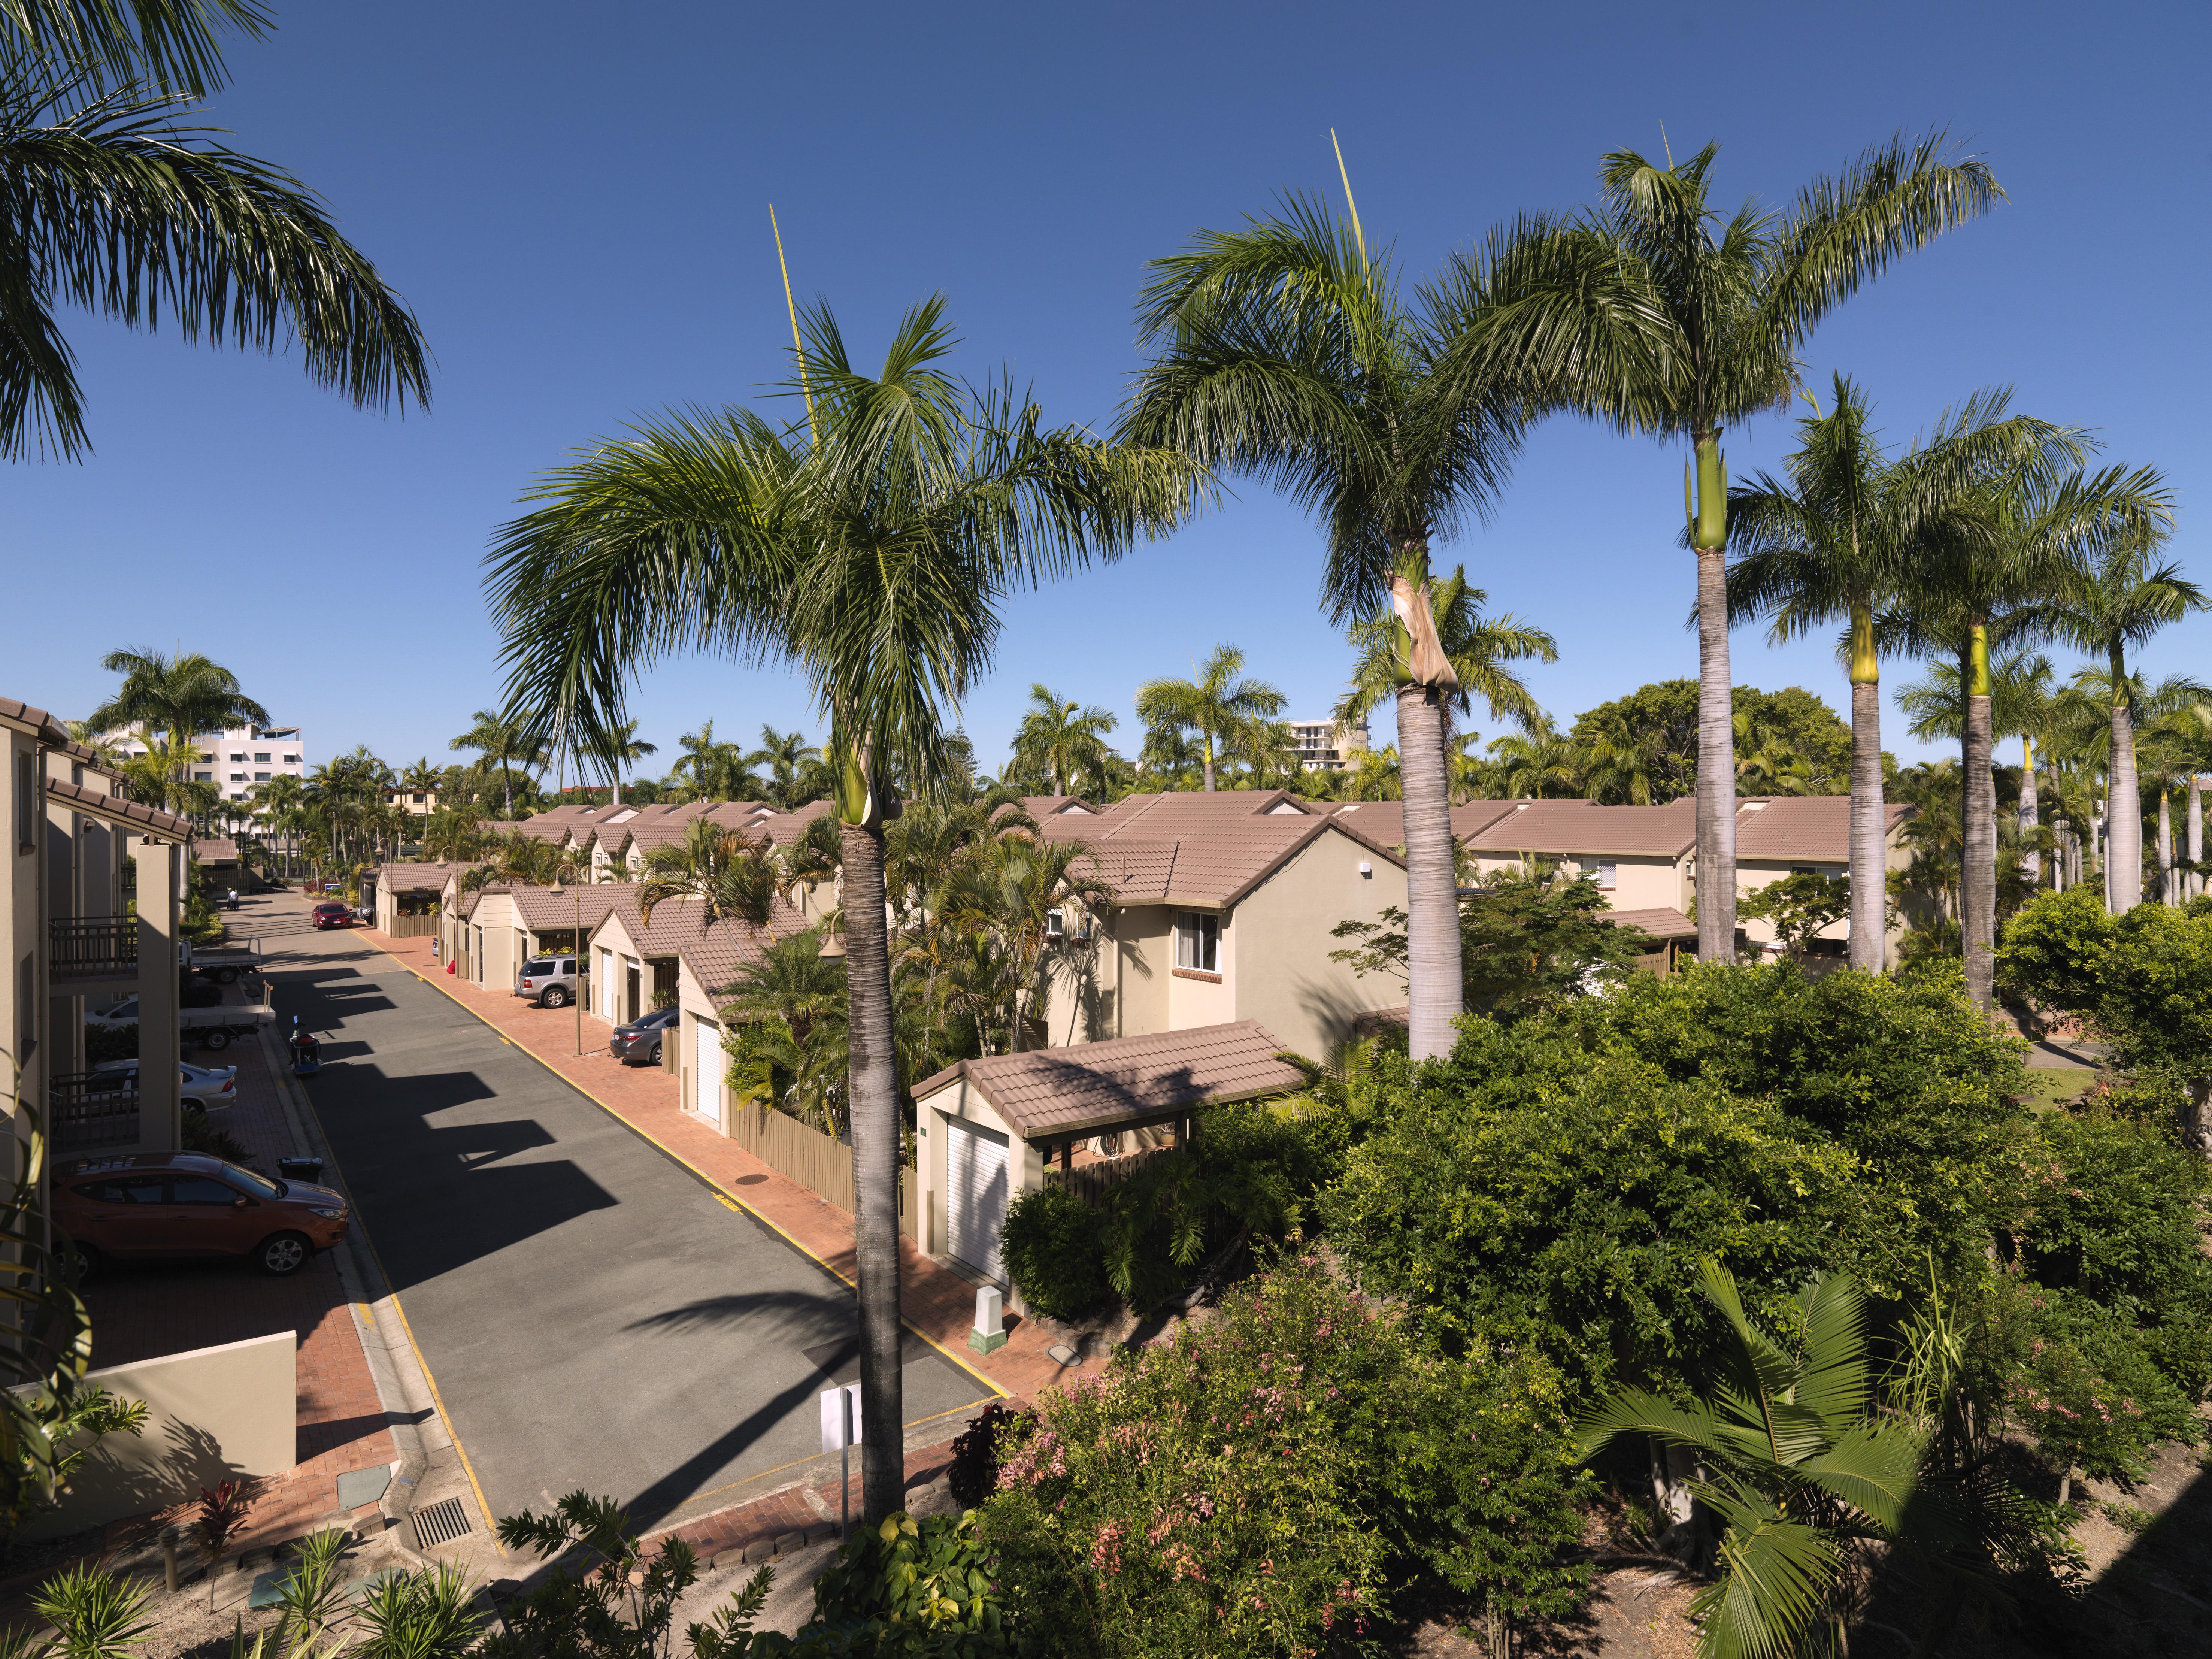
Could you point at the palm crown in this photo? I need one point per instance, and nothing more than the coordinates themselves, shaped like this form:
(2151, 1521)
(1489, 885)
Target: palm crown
(1216, 703)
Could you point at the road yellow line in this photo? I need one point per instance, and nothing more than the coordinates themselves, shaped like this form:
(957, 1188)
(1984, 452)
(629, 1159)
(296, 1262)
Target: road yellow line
(729, 1198)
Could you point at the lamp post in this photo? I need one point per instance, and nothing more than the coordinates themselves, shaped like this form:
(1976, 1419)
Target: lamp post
(576, 945)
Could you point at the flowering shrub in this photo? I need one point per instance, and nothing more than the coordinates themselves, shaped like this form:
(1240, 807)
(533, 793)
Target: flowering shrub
(1267, 1482)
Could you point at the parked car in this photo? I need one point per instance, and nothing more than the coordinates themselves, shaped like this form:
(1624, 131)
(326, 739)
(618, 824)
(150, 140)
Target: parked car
(549, 982)
(146, 1204)
(638, 1043)
(210, 1086)
(333, 914)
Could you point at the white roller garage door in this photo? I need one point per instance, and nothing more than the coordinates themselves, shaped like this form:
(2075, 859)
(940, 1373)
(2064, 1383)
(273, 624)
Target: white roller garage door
(975, 1194)
(706, 1070)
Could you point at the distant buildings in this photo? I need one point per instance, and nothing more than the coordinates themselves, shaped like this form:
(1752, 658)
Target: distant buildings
(1325, 746)
(234, 761)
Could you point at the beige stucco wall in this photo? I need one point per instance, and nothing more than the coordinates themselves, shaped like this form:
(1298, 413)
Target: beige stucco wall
(1751, 875)
(1145, 937)
(1279, 967)
(611, 935)
(215, 1414)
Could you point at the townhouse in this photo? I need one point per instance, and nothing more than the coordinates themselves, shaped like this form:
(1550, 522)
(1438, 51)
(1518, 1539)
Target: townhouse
(88, 918)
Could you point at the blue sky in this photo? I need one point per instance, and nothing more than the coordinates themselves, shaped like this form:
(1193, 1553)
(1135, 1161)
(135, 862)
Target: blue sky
(574, 199)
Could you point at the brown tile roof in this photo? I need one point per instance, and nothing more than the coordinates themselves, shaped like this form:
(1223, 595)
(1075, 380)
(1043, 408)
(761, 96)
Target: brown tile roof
(49, 729)
(91, 760)
(1169, 812)
(1808, 829)
(118, 810)
(1568, 826)
(1384, 821)
(1166, 851)
(1097, 1085)
(545, 908)
(413, 878)
(1661, 923)
(214, 849)
(1048, 806)
(717, 953)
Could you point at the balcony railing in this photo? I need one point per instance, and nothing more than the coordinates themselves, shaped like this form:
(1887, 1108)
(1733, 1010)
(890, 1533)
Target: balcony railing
(94, 947)
(93, 1108)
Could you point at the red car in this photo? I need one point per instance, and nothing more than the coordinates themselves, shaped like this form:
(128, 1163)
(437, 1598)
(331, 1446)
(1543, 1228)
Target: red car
(143, 1205)
(333, 915)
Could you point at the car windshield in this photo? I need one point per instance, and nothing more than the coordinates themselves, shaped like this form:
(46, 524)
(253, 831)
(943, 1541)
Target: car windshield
(259, 1185)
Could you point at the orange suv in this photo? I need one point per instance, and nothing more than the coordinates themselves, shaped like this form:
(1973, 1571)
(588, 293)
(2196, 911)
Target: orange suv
(146, 1204)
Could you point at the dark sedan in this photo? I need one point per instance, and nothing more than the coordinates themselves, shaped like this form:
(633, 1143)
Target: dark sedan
(638, 1043)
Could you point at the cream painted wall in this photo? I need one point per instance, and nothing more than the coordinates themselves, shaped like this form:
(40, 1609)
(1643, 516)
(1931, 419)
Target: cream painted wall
(216, 1413)
(1196, 1000)
(1024, 1162)
(1280, 971)
(1639, 883)
(1147, 944)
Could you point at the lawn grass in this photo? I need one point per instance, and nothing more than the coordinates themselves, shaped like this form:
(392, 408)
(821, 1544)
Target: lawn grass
(2050, 1087)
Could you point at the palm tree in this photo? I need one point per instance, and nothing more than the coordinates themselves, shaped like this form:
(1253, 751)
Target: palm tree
(2020, 706)
(1623, 764)
(420, 778)
(1652, 313)
(121, 205)
(618, 746)
(1529, 763)
(1478, 648)
(789, 757)
(1846, 530)
(177, 697)
(104, 748)
(1018, 887)
(733, 875)
(1284, 351)
(870, 548)
(1169, 756)
(1214, 704)
(790, 1011)
(2001, 574)
(1064, 738)
(2113, 600)
(503, 742)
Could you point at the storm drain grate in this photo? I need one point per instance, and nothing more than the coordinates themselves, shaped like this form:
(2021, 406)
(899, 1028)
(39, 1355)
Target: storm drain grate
(441, 1523)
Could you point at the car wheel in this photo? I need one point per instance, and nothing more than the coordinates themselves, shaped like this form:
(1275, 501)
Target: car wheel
(226, 975)
(652, 1055)
(217, 1038)
(283, 1254)
(555, 998)
(90, 1264)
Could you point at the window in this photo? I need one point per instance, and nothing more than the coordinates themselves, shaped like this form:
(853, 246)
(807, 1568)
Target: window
(201, 1189)
(235, 759)
(1198, 941)
(262, 756)
(261, 777)
(1054, 927)
(1803, 870)
(238, 777)
(291, 760)
(1605, 872)
(124, 1190)
(202, 777)
(259, 1185)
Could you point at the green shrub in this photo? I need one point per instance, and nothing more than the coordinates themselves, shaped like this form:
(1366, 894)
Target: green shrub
(1054, 1250)
(932, 1574)
(1269, 1480)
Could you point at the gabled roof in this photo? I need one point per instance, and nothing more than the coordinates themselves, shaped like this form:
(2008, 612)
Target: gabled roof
(214, 849)
(413, 878)
(1806, 828)
(90, 760)
(1124, 1080)
(1575, 826)
(116, 809)
(545, 909)
(717, 953)
(1048, 806)
(1384, 821)
(1661, 923)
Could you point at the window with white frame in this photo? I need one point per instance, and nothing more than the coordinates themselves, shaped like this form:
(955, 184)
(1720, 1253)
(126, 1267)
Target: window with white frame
(1054, 927)
(1605, 869)
(1198, 941)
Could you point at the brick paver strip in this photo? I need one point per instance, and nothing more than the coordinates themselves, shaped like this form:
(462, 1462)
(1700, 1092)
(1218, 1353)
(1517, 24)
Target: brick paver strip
(146, 1310)
(936, 1302)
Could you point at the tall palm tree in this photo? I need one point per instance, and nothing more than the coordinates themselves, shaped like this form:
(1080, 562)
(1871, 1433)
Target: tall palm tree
(1214, 704)
(870, 547)
(787, 756)
(121, 205)
(1834, 540)
(1285, 350)
(2020, 706)
(1064, 738)
(503, 742)
(1622, 763)
(1018, 887)
(2113, 600)
(420, 776)
(1999, 576)
(1478, 648)
(617, 747)
(178, 698)
(1655, 313)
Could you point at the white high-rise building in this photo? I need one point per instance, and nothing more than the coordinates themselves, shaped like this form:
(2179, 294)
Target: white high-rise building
(1326, 746)
(234, 761)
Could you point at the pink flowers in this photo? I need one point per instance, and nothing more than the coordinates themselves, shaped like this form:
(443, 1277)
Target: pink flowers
(1106, 1554)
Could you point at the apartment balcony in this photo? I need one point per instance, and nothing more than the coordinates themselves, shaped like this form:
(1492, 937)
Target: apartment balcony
(93, 1109)
(93, 948)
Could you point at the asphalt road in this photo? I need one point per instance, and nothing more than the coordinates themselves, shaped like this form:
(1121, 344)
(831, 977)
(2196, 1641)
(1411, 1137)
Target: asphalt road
(592, 1314)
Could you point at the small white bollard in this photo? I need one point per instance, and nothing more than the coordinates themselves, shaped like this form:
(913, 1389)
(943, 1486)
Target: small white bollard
(990, 1330)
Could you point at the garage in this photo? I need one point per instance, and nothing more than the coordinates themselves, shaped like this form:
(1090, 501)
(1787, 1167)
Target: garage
(976, 1187)
(707, 1071)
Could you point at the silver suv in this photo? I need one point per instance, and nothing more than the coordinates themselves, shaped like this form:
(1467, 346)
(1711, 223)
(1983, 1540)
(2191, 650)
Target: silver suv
(549, 982)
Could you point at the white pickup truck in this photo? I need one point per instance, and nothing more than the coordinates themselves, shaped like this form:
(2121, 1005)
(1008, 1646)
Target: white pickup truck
(211, 1027)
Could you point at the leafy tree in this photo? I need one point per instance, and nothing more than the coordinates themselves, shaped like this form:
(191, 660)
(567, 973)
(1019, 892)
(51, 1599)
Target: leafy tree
(796, 774)
(870, 549)
(1064, 740)
(121, 205)
(1286, 351)
(1652, 313)
(1799, 905)
(1644, 744)
(1214, 705)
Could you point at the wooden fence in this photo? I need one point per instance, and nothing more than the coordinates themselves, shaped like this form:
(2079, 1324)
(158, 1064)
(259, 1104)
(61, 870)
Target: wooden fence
(821, 1163)
(1091, 1181)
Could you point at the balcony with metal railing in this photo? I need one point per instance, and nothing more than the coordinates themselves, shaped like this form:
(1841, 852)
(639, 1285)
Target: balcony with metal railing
(93, 947)
(93, 1109)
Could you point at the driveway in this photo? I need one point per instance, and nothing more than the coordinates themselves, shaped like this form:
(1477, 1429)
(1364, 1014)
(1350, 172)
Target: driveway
(594, 1315)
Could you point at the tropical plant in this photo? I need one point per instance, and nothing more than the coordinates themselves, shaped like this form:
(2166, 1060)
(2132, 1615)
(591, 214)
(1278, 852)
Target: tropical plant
(2113, 601)
(178, 698)
(796, 774)
(428, 1614)
(1653, 314)
(122, 206)
(731, 874)
(1285, 350)
(1537, 763)
(502, 744)
(616, 747)
(1214, 705)
(96, 1615)
(1478, 647)
(1064, 740)
(870, 548)
(1028, 892)
(1800, 905)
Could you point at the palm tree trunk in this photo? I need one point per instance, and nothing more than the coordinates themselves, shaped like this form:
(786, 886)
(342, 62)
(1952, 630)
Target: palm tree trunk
(1870, 838)
(2193, 884)
(1209, 763)
(1978, 880)
(871, 1105)
(2030, 819)
(1717, 765)
(2169, 889)
(2123, 831)
(1434, 983)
